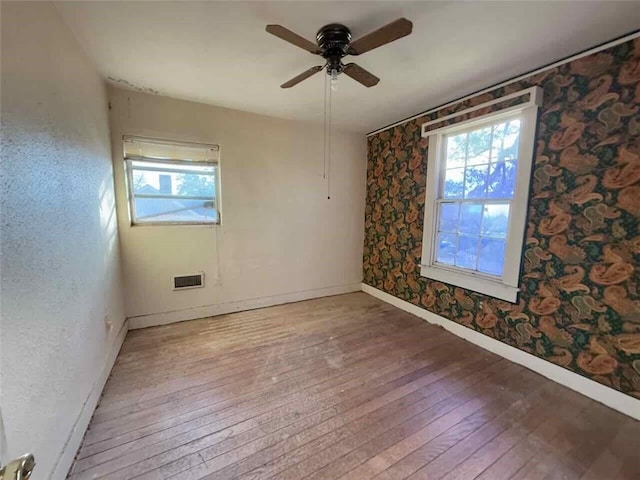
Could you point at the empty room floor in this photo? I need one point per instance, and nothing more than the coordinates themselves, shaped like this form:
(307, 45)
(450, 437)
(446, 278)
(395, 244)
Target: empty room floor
(344, 387)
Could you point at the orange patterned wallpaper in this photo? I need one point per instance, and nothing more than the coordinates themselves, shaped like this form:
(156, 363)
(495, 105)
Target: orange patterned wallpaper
(579, 305)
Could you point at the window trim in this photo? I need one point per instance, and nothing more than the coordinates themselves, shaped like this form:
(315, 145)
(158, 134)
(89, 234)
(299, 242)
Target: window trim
(505, 287)
(128, 166)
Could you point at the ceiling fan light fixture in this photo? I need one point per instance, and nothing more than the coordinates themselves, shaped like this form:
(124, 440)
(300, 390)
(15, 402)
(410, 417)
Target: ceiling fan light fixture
(334, 80)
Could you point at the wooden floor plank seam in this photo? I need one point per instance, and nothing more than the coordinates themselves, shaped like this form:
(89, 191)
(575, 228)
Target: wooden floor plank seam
(361, 360)
(343, 387)
(370, 379)
(411, 422)
(320, 353)
(228, 375)
(400, 378)
(402, 453)
(305, 432)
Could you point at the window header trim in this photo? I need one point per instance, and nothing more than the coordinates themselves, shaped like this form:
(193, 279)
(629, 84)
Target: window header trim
(159, 141)
(534, 94)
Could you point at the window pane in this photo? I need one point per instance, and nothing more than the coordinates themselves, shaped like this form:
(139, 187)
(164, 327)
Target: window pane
(470, 218)
(448, 217)
(479, 146)
(480, 167)
(174, 210)
(502, 180)
(453, 183)
(495, 220)
(446, 248)
(505, 141)
(456, 150)
(173, 179)
(165, 192)
(196, 185)
(491, 256)
(466, 256)
(476, 182)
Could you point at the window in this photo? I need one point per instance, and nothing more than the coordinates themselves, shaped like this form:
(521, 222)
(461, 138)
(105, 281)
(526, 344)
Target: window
(171, 182)
(476, 198)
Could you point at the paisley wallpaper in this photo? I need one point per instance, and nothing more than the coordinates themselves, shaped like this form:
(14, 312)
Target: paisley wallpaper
(579, 305)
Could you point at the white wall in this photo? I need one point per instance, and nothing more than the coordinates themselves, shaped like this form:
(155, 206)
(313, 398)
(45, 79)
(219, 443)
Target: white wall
(59, 267)
(280, 238)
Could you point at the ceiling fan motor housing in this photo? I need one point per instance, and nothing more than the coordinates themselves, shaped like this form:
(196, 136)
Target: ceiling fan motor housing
(334, 40)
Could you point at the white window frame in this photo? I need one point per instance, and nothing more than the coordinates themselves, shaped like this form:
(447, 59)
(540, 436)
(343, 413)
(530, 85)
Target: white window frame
(131, 195)
(506, 286)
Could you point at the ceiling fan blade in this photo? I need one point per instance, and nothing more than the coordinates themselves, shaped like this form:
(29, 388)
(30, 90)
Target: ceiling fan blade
(303, 76)
(288, 36)
(361, 75)
(393, 31)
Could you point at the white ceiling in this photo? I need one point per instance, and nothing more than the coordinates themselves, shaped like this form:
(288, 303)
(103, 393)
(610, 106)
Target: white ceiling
(219, 53)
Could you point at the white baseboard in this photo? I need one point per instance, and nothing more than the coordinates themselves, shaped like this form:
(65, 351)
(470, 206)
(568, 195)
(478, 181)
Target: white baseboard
(155, 319)
(71, 446)
(608, 396)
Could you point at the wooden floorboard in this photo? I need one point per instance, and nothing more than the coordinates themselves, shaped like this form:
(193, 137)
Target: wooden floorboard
(343, 387)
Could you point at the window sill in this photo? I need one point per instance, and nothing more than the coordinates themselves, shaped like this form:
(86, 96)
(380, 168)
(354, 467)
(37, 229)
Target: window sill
(176, 224)
(470, 281)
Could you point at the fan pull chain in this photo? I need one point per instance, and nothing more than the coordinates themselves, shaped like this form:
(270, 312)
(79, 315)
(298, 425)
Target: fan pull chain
(329, 143)
(324, 138)
(328, 97)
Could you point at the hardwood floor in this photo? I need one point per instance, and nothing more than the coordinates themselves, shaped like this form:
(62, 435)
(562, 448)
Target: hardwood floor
(343, 387)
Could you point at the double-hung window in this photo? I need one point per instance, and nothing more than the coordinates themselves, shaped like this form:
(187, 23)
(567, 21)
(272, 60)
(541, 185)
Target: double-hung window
(476, 198)
(172, 183)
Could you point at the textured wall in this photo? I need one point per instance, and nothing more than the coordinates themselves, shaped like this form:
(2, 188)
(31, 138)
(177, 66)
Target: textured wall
(279, 233)
(59, 243)
(579, 305)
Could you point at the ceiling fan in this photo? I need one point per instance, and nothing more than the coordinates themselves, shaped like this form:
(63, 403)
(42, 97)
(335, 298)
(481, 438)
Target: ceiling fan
(334, 43)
